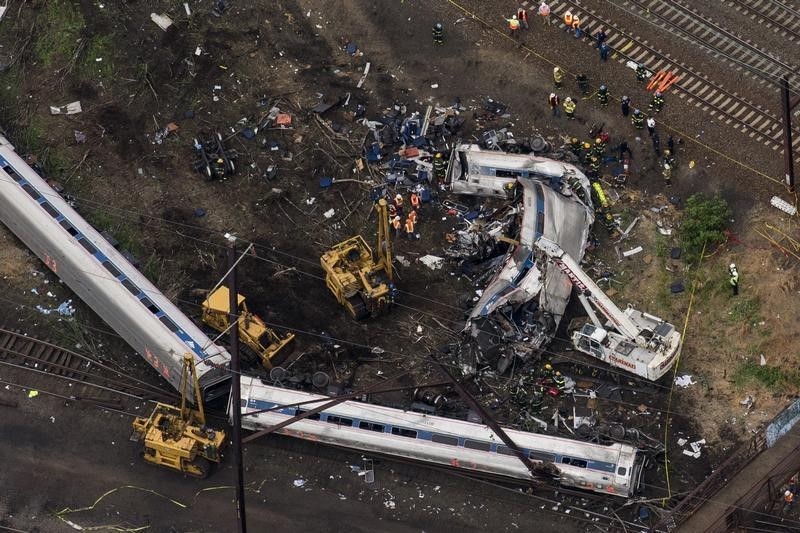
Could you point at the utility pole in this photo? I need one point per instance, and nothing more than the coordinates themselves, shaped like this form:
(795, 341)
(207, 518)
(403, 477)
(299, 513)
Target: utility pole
(233, 318)
(788, 103)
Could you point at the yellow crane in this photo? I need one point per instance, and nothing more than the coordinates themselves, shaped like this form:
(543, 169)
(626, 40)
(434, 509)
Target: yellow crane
(253, 332)
(178, 438)
(360, 280)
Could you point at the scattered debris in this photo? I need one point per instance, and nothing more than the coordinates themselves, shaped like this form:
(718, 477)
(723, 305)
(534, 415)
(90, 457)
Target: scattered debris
(632, 251)
(431, 261)
(80, 137)
(71, 108)
(748, 403)
(783, 205)
(364, 76)
(162, 21)
(300, 482)
(684, 381)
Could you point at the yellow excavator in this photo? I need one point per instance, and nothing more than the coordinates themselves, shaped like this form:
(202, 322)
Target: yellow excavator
(178, 438)
(253, 332)
(361, 282)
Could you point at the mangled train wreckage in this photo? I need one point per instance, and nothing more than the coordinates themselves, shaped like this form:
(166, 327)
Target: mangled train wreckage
(520, 309)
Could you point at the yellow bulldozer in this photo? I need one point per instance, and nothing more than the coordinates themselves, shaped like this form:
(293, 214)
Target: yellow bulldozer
(178, 438)
(359, 280)
(253, 332)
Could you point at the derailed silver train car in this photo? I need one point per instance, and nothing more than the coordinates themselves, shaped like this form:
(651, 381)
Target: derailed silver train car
(100, 276)
(524, 299)
(612, 469)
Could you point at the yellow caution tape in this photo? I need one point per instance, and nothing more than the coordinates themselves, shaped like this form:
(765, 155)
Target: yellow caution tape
(672, 383)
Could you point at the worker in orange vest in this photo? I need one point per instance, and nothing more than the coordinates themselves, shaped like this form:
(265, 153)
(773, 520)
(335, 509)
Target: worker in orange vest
(410, 228)
(522, 16)
(415, 201)
(413, 216)
(788, 501)
(568, 20)
(396, 224)
(513, 26)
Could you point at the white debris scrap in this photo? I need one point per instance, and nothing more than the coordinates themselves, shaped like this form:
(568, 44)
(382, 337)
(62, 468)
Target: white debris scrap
(329, 213)
(684, 381)
(72, 108)
(162, 21)
(783, 205)
(300, 482)
(431, 261)
(65, 309)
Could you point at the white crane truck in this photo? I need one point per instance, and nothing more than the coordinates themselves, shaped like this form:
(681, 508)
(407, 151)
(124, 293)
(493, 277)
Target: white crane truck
(632, 340)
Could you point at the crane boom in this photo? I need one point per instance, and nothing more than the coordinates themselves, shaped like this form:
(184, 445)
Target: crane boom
(588, 288)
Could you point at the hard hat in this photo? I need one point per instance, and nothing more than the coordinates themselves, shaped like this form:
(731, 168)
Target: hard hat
(397, 217)
(666, 166)
(220, 160)
(598, 140)
(398, 197)
(552, 95)
(514, 17)
(558, 373)
(438, 26)
(733, 266)
(787, 493)
(587, 145)
(574, 140)
(625, 98)
(637, 112)
(438, 155)
(667, 152)
(658, 93)
(603, 88)
(548, 366)
(568, 100)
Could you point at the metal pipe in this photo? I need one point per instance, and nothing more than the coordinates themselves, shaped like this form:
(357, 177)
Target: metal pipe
(788, 154)
(233, 318)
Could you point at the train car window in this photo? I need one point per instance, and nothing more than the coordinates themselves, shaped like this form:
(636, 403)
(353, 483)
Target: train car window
(371, 426)
(315, 416)
(339, 420)
(89, 246)
(542, 456)
(403, 432)
(150, 305)
(28, 188)
(133, 289)
(580, 463)
(167, 322)
(13, 173)
(503, 173)
(477, 445)
(622, 471)
(111, 268)
(444, 439)
(505, 450)
(50, 209)
(69, 227)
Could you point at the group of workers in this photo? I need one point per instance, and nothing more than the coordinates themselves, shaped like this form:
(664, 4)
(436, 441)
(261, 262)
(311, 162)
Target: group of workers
(397, 209)
(529, 392)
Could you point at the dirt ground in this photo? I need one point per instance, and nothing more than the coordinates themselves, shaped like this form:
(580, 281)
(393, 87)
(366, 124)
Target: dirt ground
(224, 74)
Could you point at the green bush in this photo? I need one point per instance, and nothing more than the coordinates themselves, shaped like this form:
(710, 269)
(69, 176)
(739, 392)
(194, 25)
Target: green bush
(749, 374)
(704, 220)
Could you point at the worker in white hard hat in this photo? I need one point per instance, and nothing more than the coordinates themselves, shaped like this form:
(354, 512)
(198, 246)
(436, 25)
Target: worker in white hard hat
(734, 278)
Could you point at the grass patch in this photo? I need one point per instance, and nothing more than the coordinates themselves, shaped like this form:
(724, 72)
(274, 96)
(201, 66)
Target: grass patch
(749, 374)
(97, 61)
(60, 24)
(704, 220)
(744, 310)
(120, 229)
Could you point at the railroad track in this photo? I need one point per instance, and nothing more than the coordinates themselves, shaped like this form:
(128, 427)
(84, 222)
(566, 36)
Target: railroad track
(723, 43)
(729, 107)
(72, 375)
(782, 18)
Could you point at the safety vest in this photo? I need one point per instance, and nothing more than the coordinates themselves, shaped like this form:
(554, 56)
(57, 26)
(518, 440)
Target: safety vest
(558, 75)
(409, 225)
(568, 19)
(414, 200)
(412, 216)
(638, 120)
(576, 23)
(396, 223)
(569, 106)
(513, 24)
